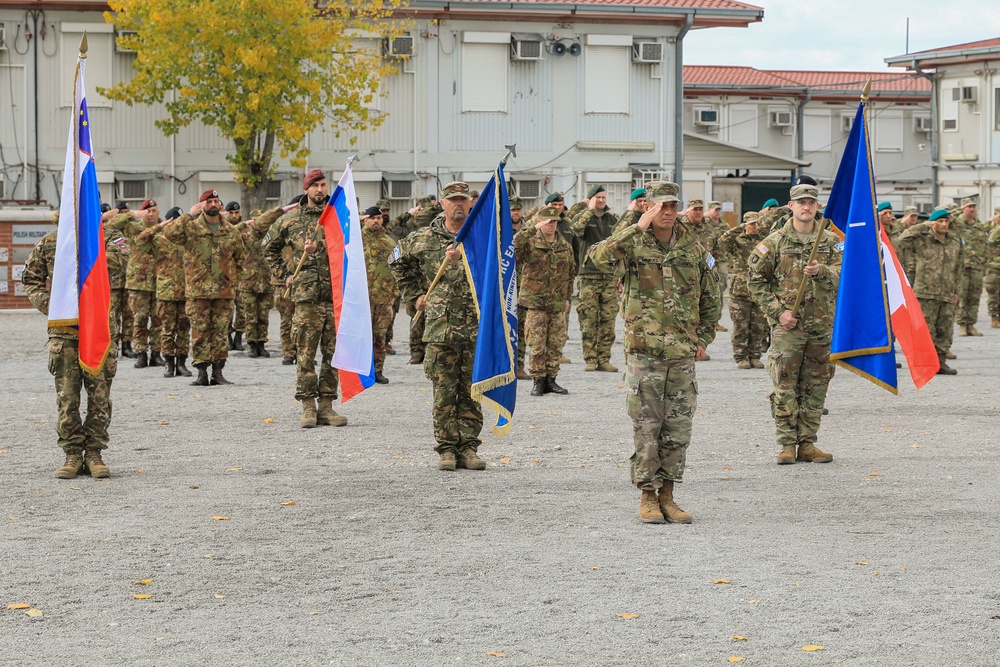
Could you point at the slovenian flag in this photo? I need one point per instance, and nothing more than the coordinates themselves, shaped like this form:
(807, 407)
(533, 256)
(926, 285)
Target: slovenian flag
(354, 357)
(80, 292)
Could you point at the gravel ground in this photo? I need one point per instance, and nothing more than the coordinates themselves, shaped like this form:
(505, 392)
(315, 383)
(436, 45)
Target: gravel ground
(347, 547)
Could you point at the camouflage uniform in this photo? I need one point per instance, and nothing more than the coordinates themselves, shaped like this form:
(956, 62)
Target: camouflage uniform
(121, 323)
(937, 278)
(974, 235)
(749, 323)
(382, 289)
(598, 300)
(799, 359)
(723, 260)
(140, 280)
(992, 279)
(75, 434)
(212, 260)
(629, 218)
(545, 271)
(255, 289)
(175, 327)
(671, 304)
(313, 324)
(283, 302)
(449, 334)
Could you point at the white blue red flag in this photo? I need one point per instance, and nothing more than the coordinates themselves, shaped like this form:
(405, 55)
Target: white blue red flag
(81, 292)
(354, 357)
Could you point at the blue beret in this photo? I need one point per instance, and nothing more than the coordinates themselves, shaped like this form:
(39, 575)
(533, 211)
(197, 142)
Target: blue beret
(883, 206)
(769, 203)
(638, 192)
(938, 214)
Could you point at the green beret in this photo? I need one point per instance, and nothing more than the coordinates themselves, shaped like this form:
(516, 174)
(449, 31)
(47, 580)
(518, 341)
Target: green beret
(594, 190)
(883, 206)
(938, 214)
(555, 196)
(638, 192)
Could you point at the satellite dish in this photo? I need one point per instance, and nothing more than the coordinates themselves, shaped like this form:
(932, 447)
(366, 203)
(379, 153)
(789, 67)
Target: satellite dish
(575, 49)
(559, 49)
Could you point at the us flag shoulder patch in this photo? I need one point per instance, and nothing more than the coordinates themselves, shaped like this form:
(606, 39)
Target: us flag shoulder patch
(762, 249)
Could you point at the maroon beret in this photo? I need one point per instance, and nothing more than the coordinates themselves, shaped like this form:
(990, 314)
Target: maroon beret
(208, 194)
(149, 203)
(312, 177)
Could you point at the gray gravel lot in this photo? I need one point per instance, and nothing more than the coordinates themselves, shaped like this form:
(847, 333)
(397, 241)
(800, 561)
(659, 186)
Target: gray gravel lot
(347, 547)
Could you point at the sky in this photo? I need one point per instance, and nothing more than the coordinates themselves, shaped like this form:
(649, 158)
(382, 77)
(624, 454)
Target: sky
(854, 35)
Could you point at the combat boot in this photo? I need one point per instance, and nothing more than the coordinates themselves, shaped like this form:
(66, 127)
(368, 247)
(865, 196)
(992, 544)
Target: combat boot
(973, 331)
(155, 359)
(945, 369)
(591, 366)
(649, 508)
(238, 341)
(416, 358)
(181, 369)
(469, 459)
(262, 351)
(202, 379)
(142, 360)
(326, 416)
(522, 374)
(308, 419)
(607, 367)
(565, 360)
(95, 464)
(963, 330)
(288, 361)
(552, 388)
(232, 345)
(996, 322)
(447, 461)
(127, 351)
(671, 512)
(380, 378)
(171, 369)
(756, 363)
(950, 355)
(217, 377)
(388, 350)
(810, 453)
(72, 467)
(720, 327)
(744, 364)
(538, 388)
(787, 455)
(253, 353)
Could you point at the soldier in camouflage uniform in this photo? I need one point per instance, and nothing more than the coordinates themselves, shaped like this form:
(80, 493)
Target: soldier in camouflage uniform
(312, 292)
(671, 303)
(638, 203)
(517, 223)
(992, 280)
(694, 219)
(563, 227)
(121, 325)
(255, 290)
(749, 323)
(799, 358)
(81, 440)
(141, 282)
(418, 217)
(382, 289)
(237, 323)
(974, 235)
(718, 227)
(546, 268)
(598, 301)
(451, 327)
(936, 253)
(175, 327)
(384, 206)
(213, 253)
(283, 300)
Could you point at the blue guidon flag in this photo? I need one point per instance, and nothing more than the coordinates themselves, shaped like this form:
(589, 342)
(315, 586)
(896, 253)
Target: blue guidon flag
(487, 243)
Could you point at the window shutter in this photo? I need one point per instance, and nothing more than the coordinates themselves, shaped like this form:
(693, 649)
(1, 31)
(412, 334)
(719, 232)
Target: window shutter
(99, 58)
(607, 70)
(484, 77)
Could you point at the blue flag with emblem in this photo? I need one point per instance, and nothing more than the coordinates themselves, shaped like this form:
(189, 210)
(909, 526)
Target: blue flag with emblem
(487, 243)
(862, 333)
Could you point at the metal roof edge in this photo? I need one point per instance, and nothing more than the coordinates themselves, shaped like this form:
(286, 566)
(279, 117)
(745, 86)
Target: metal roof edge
(744, 149)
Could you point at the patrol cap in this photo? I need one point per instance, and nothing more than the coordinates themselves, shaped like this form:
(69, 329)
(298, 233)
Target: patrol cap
(456, 190)
(555, 196)
(883, 206)
(383, 204)
(515, 203)
(996, 211)
(638, 192)
(547, 213)
(696, 203)
(769, 203)
(208, 194)
(938, 214)
(910, 210)
(233, 206)
(595, 190)
(970, 201)
(950, 206)
(751, 216)
(371, 212)
(662, 191)
(175, 212)
(424, 201)
(803, 192)
(714, 204)
(312, 177)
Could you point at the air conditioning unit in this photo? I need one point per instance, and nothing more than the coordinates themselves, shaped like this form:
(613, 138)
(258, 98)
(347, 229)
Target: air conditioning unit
(967, 94)
(706, 117)
(398, 189)
(925, 207)
(647, 52)
(526, 46)
(780, 119)
(847, 122)
(398, 47)
(528, 189)
(133, 190)
(922, 124)
(949, 124)
(123, 33)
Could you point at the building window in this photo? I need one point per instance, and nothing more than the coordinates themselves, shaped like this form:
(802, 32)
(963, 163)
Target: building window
(889, 132)
(817, 132)
(607, 69)
(485, 59)
(996, 109)
(99, 57)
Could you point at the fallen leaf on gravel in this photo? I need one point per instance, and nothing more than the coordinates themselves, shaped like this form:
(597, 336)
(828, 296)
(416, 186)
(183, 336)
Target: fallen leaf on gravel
(505, 459)
(234, 469)
(752, 601)
(736, 658)
(902, 569)
(142, 596)
(3, 451)
(139, 470)
(915, 447)
(727, 468)
(813, 648)
(583, 466)
(595, 568)
(76, 488)
(12, 517)
(160, 639)
(171, 397)
(218, 596)
(313, 613)
(873, 474)
(34, 613)
(164, 423)
(19, 605)
(739, 638)
(497, 654)
(289, 503)
(861, 562)
(268, 421)
(220, 518)
(628, 616)
(995, 618)
(875, 574)
(423, 389)
(142, 582)
(535, 462)
(195, 486)
(551, 413)
(720, 581)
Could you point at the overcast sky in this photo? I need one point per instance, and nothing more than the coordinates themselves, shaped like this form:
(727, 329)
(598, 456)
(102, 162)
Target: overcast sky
(842, 34)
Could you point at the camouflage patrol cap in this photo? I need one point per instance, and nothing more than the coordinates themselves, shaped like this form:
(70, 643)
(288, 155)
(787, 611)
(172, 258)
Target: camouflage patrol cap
(804, 192)
(383, 204)
(662, 191)
(910, 210)
(55, 218)
(996, 210)
(696, 203)
(950, 206)
(515, 203)
(970, 201)
(456, 190)
(751, 217)
(714, 204)
(547, 213)
(555, 196)
(424, 201)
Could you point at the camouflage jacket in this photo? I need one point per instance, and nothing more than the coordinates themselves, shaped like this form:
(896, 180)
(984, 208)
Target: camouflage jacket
(169, 265)
(294, 230)
(717, 229)
(671, 300)
(591, 228)
(405, 224)
(141, 272)
(255, 277)
(776, 270)
(117, 277)
(974, 235)
(576, 209)
(629, 217)
(378, 245)
(212, 259)
(773, 219)
(705, 234)
(545, 271)
(937, 263)
(450, 313)
(37, 278)
(993, 247)
(737, 245)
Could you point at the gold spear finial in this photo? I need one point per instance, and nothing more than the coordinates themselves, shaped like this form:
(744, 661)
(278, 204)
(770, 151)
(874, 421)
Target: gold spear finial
(866, 91)
(83, 46)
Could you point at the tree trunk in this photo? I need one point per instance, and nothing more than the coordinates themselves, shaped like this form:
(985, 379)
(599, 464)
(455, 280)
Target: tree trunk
(256, 166)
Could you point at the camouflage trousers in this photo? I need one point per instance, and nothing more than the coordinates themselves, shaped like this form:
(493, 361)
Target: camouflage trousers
(522, 342)
(121, 316)
(395, 311)
(969, 290)
(209, 329)
(382, 316)
(749, 328)
(597, 309)
(416, 329)
(661, 397)
(992, 284)
(940, 316)
(458, 418)
(800, 368)
(286, 311)
(256, 310)
(546, 332)
(313, 328)
(176, 327)
(237, 319)
(145, 321)
(76, 434)
(723, 269)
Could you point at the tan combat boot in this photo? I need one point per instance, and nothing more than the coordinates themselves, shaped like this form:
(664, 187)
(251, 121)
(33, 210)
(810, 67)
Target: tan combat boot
(649, 508)
(606, 367)
(447, 461)
(95, 464)
(756, 363)
(744, 364)
(963, 330)
(308, 419)
(996, 322)
(787, 455)
(469, 459)
(671, 511)
(973, 331)
(591, 366)
(326, 416)
(72, 467)
(809, 453)
(566, 360)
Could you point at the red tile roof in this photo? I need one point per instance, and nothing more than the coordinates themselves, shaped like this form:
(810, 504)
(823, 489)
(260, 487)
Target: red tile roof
(983, 44)
(832, 83)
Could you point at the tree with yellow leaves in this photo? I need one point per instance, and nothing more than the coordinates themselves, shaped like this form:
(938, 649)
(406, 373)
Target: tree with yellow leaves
(263, 73)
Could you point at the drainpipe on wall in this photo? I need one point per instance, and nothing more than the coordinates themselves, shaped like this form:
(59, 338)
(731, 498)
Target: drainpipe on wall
(800, 120)
(679, 102)
(934, 131)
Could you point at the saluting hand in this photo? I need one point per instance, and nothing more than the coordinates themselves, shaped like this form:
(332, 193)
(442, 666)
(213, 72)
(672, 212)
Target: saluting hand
(647, 218)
